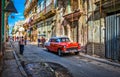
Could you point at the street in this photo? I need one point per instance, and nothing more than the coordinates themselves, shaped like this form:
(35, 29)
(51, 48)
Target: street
(78, 66)
(31, 29)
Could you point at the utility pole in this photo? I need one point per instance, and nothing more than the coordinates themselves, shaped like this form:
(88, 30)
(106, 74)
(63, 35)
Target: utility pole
(93, 46)
(3, 5)
(0, 26)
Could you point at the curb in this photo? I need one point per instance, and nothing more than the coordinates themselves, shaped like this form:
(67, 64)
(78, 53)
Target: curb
(100, 60)
(18, 62)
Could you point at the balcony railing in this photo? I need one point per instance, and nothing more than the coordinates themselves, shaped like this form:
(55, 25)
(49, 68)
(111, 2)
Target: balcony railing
(108, 6)
(104, 2)
(96, 1)
(73, 16)
(43, 14)
(107, 3)
(73, 7)
(49, 8)
(30, 6)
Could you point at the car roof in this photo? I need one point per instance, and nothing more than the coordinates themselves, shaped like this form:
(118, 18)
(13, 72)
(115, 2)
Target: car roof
(59, 37)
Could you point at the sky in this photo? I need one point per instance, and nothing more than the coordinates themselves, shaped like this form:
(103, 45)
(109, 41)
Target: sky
(19, 5)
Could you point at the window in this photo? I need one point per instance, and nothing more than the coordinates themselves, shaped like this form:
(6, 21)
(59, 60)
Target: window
(64, 40)
(48, 2)
(52, 40)
(48, 23)
(42, 5)
(42, 24)
(57, 40)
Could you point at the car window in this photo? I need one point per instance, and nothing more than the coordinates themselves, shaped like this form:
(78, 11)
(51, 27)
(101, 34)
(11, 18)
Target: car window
(52, 40)
(64, 40)
(57, 40)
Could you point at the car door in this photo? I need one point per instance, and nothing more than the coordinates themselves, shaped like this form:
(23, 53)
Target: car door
(52, 43)
(56, 46)
(47, 45)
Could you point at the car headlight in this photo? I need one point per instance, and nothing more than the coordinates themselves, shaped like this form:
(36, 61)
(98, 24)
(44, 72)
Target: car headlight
(64, 46)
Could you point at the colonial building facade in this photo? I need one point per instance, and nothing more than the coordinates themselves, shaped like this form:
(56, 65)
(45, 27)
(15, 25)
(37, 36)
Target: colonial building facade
(92, 23)
(6, 7)
(103, 18)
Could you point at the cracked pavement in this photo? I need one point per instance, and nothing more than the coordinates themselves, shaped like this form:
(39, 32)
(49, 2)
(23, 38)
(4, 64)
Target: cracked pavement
(78, 66)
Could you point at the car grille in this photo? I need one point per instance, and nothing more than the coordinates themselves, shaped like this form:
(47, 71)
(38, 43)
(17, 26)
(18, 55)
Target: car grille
(75, 48)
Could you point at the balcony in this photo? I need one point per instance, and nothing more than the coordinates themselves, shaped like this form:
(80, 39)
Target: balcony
(108, 5)
(73, 16)
(33, 3)
(27, 10)
(30, 6)
(37, 18)
(72, 7)
(102, 1)
(49, 11)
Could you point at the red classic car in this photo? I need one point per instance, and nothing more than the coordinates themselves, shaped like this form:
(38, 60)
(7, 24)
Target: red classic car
(62, 45)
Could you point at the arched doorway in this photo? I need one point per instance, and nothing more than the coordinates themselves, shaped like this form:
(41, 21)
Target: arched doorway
(66, 30)
(74, 30)
(73, 19)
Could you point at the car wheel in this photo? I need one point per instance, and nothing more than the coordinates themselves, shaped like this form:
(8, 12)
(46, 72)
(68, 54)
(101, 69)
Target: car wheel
(59, 52)
(76, 53)
(48, 50)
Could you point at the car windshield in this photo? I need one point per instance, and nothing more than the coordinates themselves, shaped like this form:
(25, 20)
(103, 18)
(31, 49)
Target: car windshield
(63, 40)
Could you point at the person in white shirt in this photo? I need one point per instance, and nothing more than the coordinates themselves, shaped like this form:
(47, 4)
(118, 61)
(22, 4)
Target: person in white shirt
(21, 44)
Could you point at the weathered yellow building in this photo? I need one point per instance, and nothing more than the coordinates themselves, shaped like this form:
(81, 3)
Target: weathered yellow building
(92, 23)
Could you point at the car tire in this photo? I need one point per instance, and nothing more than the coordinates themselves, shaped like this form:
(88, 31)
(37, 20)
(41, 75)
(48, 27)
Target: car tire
(48, 50)
(76, 53)
(59, 52)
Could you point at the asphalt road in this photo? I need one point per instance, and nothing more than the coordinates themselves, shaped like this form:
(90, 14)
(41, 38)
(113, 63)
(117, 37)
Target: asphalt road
(77, 65)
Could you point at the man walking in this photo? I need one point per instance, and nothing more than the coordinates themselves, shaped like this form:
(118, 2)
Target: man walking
(43, 41)
(38, 42)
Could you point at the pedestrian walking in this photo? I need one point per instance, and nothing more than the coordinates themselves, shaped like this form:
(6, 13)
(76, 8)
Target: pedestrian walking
(38, 42)
(25, 40)
(17, 38)
(43, 41)
(21, 44)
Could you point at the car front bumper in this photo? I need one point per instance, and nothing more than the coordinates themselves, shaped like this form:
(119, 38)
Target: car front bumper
(71, 51)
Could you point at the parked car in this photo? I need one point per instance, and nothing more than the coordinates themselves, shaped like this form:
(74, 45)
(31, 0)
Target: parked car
(62, 45)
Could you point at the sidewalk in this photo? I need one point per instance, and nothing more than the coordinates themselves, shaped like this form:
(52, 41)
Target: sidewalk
(117, 64)
(11, 68)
